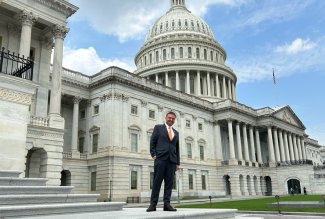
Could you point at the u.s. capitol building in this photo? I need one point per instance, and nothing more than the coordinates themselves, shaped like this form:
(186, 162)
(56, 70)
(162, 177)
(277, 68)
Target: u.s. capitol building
(93, 132)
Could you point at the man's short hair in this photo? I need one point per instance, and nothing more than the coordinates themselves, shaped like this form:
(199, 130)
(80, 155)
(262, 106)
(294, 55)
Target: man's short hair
(171, 112)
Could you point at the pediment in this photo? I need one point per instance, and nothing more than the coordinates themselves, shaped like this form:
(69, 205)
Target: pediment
(287, 115)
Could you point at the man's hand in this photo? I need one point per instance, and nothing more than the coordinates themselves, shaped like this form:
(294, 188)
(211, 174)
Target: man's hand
(154, 158)
(177, 167)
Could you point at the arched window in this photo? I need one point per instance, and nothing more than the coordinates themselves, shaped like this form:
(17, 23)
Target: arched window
(198, 53)
(145, 60)
(211, 55)
(205, 54)
(164, 54)
(181, 52)
(172, 51)
(189, 52)
(157, 56)
(150, 58)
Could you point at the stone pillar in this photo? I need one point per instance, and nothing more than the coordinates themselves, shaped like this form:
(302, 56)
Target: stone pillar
(229, 89)
(27, 20)
(177, 80)
(270, 146)
(246, 151)
(283, 158)
(198, 81)
(239, 148)
(292, 155)
(75, 120)
(224, 87)
(303, 148)
(218, 143)
(276, 145)
(218, 86)
(251, 138)
(56, 120)
(234, 92)
(209, 84)
(299, 148)
(286, 147)
(166, 79)
(88, 118)
(231, 143)
(188, 85)
(157, 78)
(258, 146)
(295, 148)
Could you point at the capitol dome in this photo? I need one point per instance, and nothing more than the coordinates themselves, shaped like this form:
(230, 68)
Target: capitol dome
(181, 52)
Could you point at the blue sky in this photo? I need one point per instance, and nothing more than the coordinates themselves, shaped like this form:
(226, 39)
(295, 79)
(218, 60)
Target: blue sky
(258, 35)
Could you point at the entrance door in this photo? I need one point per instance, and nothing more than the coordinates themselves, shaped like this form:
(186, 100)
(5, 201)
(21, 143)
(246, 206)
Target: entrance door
(294, 186)
(227, 184)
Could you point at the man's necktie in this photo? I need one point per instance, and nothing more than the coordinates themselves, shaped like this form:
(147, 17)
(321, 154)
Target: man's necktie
(170, 134)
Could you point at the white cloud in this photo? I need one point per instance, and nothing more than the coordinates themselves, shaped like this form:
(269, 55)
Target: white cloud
(258, 66)
(298, 45)
(87, 61)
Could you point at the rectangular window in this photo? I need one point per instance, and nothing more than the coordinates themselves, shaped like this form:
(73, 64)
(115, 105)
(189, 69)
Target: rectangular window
(82, 114)
(152, 114)
(151, 179)
(197, 53)
(204, 185)
(190, 181)
(96, 109)
(150, 58)
(189, 150)
(95, 143)
(164, 55)
(189, 52)
(93, 181)
(157, 56)
(201, 152)
(181, 52)
(134, 179)
(172, 53)
(134, 142)
(188, 123)
(200, 126)
(81, 144)
(134, 110)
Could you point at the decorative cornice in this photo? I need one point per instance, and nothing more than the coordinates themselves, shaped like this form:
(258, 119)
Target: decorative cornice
(61, 6)
(16, 97)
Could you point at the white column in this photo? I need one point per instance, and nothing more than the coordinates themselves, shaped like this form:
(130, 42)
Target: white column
(59, 33)
(286, 146)
(27, 20)
(209, 84)
(198, 81)
(229, 89)
(295, 147)
(292, 155)
(166, 79)
(234, 92)
(270, 145)
(283, 158)
(224, 87)
(75, 120)
(177, 80)
(276, 145)
(239, 148)
(303, 148)
(157, 78)
(246, 151)
(188, 85)
(218, 86)
(231, 140)
(299, 148)
(258, 146)
(251, 138)
(218, 142)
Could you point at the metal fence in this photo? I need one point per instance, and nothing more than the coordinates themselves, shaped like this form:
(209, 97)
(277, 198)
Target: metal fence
(16, 65)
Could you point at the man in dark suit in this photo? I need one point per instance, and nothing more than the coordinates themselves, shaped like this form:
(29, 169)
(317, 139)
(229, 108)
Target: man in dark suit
(164, 149)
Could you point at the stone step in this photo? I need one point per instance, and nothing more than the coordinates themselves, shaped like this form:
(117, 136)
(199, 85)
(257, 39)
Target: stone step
(53, 209)
(13, 181)
(9, 173)
(46, 198)
(17, 190)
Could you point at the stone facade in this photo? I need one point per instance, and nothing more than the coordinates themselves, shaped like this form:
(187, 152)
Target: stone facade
(93, 132)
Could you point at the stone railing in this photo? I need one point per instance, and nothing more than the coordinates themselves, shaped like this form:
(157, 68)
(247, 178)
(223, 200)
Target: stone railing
(230, 103)
(67, 154)
(73, 75)
(39, 121)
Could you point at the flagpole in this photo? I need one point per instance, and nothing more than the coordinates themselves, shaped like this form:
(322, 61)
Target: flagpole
(274, 89)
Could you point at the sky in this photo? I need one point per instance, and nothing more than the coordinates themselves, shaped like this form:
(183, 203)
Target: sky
(259, 36)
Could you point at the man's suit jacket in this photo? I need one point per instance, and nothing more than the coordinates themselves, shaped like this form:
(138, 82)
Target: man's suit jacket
(162, 147)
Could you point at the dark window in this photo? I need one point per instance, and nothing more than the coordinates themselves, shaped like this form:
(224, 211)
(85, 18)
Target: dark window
(93, 181)
(95, 143)
(152, 114)
(190, 182)
(81, 144)
(82, 114)
(201, 152)
(204, 185)
(96, 109)
(134, 180)
(134, 110)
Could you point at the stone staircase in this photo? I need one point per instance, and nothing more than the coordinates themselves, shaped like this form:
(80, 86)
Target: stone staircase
(28, 197)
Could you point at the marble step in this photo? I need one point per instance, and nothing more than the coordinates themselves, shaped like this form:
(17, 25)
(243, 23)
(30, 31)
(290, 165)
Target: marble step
(19, 190)
(13, 181)
(59, 209)
(46, 198)
(9, 173)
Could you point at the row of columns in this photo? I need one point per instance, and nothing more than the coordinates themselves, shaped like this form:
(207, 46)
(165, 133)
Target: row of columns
(213, 84)
(285, 146)
(27, 20)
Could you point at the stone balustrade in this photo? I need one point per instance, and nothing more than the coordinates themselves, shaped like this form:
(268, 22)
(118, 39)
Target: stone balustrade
(39, 121)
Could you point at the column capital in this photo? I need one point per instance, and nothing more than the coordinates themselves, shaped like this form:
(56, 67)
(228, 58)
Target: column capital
(59, 31)
(26, 18)
(76, 100)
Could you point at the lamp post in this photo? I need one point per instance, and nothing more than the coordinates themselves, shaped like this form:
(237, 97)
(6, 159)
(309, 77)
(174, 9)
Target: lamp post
(278, 204)
(110, 189)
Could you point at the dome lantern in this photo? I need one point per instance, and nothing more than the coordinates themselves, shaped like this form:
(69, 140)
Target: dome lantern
(177, 3)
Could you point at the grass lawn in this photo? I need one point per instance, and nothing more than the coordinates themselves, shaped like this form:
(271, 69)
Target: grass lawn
(261, 204)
